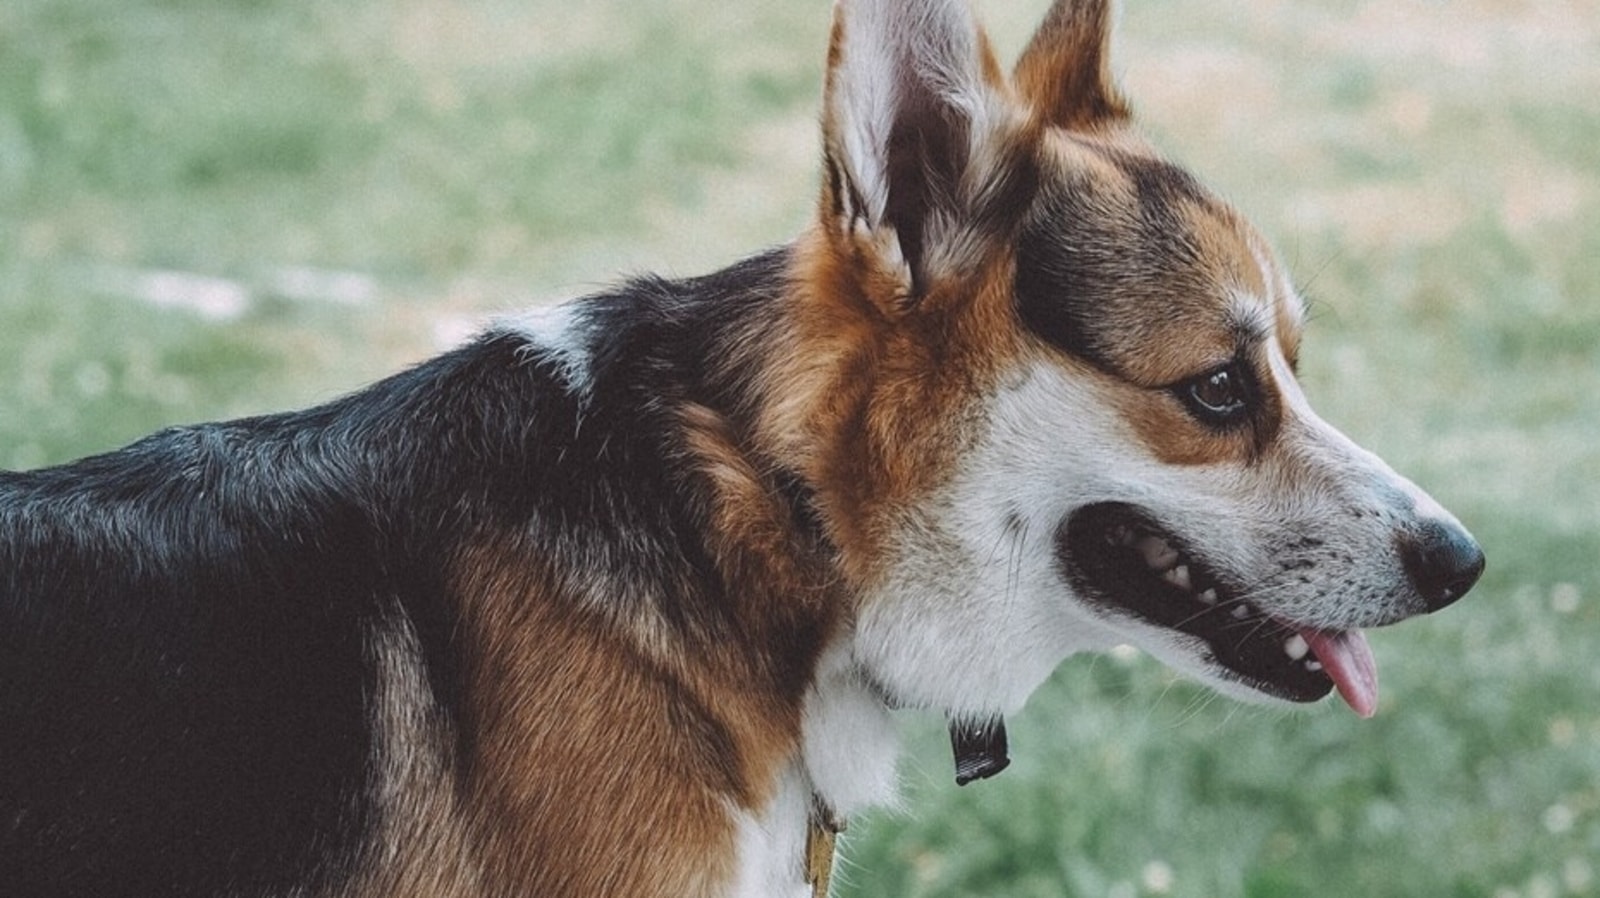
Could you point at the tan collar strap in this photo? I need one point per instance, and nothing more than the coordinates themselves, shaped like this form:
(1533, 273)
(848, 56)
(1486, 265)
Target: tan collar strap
(822, 834)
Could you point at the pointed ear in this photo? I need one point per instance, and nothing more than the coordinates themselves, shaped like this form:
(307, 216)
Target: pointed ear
(914, 98)
(1065, 73)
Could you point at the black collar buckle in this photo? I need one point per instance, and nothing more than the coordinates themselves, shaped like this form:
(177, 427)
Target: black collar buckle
(980, 748)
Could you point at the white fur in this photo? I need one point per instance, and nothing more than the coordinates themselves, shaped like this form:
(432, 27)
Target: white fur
(563, 331)
(848, 742)
(849, 745)
(771, 844)
(975, 615)
(891, 46)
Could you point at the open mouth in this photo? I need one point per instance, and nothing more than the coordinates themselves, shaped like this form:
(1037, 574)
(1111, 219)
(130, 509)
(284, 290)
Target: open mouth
(1121, 559)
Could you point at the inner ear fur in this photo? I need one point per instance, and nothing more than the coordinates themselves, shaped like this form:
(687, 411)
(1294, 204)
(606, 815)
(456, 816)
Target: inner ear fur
(916, 114)
(931, 158)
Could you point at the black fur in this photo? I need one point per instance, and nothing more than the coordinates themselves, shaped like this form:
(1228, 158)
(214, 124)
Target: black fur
(186, 687)
(1089, 274)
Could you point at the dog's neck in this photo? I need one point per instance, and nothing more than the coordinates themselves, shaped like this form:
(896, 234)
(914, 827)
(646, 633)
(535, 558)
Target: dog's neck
(849, 742)
(845, 765)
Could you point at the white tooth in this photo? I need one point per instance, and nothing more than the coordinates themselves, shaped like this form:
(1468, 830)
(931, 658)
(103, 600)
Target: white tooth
(1178, 576)
(1241, 611)
(1296, 647)
(1157, 553)
(1209, 597)
(1313, 665)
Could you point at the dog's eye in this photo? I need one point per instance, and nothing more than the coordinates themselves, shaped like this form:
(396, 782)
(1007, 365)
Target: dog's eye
(1217, 397)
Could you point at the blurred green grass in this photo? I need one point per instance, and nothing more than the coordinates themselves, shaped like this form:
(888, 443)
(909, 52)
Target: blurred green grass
(215, 208)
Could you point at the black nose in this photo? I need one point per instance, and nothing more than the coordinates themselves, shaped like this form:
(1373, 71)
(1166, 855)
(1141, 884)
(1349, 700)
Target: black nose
(1442, 560)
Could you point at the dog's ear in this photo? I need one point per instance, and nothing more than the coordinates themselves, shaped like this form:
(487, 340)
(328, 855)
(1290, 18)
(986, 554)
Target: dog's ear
(915, 118)
(1065, 75)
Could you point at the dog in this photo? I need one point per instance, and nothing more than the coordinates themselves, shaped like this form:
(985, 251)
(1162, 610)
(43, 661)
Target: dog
(618, 598)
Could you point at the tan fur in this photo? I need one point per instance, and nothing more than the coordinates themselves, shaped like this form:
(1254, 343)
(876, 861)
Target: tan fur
(565, 801)
(758, 545)
(568, 711)
(873, 402)
(425, 847)
(1065, 72)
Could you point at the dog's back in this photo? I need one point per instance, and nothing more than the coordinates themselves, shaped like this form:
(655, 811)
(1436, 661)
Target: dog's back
(427, 639)
(185, 679)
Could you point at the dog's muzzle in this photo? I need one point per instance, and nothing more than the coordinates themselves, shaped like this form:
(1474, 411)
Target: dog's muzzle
(1120, 558)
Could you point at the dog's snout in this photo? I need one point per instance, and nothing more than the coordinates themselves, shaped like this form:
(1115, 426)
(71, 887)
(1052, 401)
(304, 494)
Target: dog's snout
(1442, 560)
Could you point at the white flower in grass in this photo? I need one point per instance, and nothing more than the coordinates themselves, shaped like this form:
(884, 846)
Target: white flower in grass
(1157, 877)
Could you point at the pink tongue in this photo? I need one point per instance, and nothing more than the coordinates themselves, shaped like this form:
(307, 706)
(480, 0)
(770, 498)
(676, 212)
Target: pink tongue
(1347, 658)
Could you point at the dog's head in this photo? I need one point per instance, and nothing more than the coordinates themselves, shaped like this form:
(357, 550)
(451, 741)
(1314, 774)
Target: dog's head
(1044, 381)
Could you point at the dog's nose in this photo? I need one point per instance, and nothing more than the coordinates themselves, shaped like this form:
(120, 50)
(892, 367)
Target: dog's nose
(1442, 560)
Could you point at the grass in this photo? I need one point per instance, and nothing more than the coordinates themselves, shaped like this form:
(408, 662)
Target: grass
(214, 208)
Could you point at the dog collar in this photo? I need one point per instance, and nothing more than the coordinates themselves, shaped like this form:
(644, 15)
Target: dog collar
(822, 834)
(980, 752)
(979, 747)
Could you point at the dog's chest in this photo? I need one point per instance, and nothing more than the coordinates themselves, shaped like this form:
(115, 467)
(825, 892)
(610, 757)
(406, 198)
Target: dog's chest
(771, 844)
(847, 764)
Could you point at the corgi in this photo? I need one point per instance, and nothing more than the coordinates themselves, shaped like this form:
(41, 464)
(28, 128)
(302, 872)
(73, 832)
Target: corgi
(619, 598)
